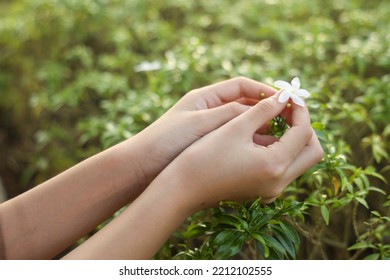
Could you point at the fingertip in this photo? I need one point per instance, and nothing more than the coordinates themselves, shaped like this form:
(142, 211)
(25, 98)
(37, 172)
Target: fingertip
(261, 113)
(299, 115)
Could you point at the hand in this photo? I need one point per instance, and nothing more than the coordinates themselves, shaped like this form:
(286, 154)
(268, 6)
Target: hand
(235, 162)
(196, 114)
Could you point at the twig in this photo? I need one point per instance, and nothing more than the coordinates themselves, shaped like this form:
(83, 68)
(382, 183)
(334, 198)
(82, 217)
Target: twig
(354, 215)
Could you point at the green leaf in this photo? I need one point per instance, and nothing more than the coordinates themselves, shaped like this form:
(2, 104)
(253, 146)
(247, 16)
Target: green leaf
(259, 220)
(231, 220)
(371, 171)
(224, 236)
(261, 242)
(285, 242)
(318, 126)
(376, 213)
(344, 179)
(292, 234)
(325, 214)
(195, 230)
(312, 200)
(386, 219)
(374, 256)
(344, 200)
(231, 246)
(359, 183)
(375, 189)
(361, 245)
(362, 201)
(274, 244)
(255, 205)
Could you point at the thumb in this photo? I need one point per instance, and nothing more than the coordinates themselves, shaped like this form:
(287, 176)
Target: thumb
(261, 113)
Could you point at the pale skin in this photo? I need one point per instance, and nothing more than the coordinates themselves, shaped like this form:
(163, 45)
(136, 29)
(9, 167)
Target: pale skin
(209, 147)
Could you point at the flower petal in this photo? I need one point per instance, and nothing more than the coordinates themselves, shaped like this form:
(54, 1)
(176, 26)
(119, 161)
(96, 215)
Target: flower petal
(284, 96)
(302, 92)
(283, 85)
(296, 83)
(297, 100)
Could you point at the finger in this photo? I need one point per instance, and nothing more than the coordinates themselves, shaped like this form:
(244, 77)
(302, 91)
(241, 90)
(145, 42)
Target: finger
(296, 137)
(286, 114)
(264, 140)
(309, 156)
(258, 116)
(264, 130)
(246, 101)
(216, 117)
(234, 89)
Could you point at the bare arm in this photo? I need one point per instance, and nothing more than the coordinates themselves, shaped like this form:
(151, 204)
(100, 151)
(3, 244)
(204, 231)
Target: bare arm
(47, 219)
(139, 231)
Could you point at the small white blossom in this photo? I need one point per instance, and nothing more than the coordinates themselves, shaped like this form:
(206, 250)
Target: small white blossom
(292, 91)
(146, 66)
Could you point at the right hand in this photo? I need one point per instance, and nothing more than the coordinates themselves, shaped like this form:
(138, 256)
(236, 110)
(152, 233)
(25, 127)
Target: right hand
(237, 163)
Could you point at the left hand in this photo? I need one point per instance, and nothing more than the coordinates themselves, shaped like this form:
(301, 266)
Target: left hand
(193, 116)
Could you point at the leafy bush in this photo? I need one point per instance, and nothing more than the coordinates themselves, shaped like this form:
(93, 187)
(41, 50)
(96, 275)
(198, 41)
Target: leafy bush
(71, 85)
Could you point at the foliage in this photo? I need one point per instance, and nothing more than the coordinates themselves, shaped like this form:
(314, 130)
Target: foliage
(72, 83)
(262, 229)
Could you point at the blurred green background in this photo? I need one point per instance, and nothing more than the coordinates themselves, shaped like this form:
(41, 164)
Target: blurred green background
(80, 76)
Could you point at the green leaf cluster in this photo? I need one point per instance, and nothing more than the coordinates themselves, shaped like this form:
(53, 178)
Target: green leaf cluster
(264, 230)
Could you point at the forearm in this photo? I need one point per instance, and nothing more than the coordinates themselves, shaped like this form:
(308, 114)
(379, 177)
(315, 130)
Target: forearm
(144, 226)
(47, 219)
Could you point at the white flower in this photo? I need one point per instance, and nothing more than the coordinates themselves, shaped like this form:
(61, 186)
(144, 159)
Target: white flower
(147, 66)
(292, 91)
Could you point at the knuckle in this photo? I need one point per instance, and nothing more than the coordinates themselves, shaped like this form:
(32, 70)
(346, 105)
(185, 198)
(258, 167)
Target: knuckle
(240, 79)
(275, 192)
(307, 133)
(274, 168)
(304, 132)
(272, 192)
(235, 108)
(316, 150)
(193, 92)
(241, 82)
(278, 169)
(318, 153)
(268, 200)
(265, 106)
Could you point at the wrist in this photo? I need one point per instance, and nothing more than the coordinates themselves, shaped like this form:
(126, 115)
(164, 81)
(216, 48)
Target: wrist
(151, 151)
(127, 158)
(181, 187)
(144, 157)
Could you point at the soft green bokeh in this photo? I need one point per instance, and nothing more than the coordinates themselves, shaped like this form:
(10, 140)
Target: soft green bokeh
(69, 87)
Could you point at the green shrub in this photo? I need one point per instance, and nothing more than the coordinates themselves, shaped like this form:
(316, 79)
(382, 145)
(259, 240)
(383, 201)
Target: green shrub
(54, 112)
